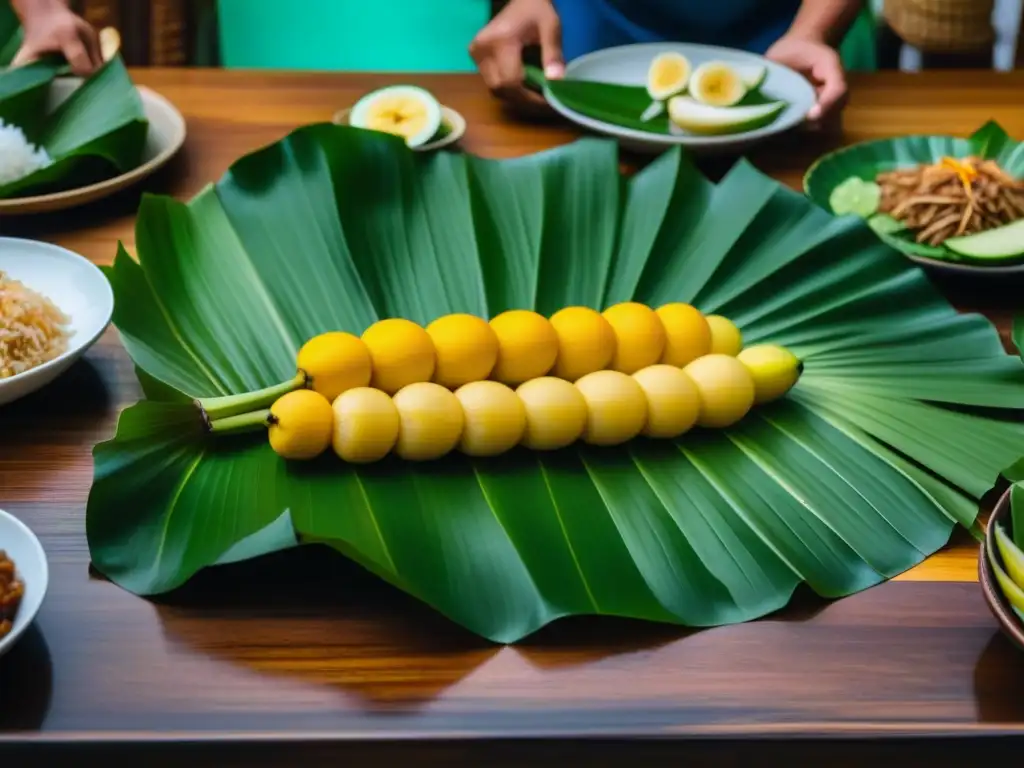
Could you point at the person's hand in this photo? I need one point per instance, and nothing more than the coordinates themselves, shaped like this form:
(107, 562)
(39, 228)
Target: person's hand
(51, 27)
(498, 48)
(819, 63)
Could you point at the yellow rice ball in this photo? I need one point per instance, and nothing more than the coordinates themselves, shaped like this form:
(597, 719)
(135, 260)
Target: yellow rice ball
(639, 336)
(495, 418)
(673, 402)
(527, 346)
(586, 342)
(334, 362)
(616, 407)
(556, 413)
(466, 349)
(687, 333)
(402, 354)
(301, 425)
(726, 389)
(726, 338)
(366, 425)
(430, 421)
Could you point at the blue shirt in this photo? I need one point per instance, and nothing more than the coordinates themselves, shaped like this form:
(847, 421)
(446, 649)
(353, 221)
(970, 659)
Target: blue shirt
(751, 25)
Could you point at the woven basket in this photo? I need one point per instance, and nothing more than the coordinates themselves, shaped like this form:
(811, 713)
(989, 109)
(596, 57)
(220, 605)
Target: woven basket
(942, 26)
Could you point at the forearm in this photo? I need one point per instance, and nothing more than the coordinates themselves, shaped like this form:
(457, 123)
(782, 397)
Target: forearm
(27, 9)
(826, 20)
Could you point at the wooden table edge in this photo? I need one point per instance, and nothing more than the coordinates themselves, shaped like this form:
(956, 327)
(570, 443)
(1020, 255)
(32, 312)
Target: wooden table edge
(824, 731)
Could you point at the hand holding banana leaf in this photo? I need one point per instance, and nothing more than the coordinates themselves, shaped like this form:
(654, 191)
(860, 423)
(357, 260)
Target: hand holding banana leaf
(51, 27)
(52, 141)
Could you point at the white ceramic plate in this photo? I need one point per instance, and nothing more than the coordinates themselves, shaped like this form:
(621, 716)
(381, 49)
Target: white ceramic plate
(628, 65)
(455, 122)
(71, 282)
(24, 549)
(165, 137)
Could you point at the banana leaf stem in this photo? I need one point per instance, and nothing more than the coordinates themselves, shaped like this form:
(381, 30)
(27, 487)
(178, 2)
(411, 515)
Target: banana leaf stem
(217, 408)
(244, 422)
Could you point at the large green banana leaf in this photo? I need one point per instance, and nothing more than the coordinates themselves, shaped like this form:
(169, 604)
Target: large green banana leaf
(867, 160)
(97, 132)
(862, 472)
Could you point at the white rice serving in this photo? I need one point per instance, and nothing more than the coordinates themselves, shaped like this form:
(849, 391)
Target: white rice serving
(18, 158)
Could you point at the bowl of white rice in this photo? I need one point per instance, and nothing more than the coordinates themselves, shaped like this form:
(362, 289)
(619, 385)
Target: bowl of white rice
(18, 157)
(54, 305)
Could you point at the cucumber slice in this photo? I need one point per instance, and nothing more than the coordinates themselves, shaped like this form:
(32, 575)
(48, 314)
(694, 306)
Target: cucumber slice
(884, 224)
(856, 196)
(1006, 242)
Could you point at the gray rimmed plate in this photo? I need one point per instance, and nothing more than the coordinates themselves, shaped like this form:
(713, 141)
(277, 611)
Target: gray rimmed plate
(628, 65)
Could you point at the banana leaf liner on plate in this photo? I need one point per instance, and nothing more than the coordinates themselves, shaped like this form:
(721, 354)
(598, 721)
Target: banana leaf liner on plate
(96, 133)
(932, 197)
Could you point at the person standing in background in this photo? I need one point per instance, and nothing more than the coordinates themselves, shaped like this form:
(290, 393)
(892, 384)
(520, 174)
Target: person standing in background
(802, 34)
(50, 26)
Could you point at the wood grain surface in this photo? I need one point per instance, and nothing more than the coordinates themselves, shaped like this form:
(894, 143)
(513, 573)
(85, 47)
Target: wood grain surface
(304, 656)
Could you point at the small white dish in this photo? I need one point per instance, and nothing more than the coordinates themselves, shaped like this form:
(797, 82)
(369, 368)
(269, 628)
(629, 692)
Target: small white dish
(22, 546)
(165, 137)
(455, 123)
(75, 285)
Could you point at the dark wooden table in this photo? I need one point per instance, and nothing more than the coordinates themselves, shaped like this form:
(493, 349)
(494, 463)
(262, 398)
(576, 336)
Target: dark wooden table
(303, 658)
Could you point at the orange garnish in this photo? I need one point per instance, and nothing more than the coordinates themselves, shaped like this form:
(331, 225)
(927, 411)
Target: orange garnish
(966, 172)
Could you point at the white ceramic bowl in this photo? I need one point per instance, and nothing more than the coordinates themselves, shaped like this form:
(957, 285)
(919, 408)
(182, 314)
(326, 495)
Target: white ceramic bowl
(24, 549)
(71, 282)
(628, 65)
(166, 135)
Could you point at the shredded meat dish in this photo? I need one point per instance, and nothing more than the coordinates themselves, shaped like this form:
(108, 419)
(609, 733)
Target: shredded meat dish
(951, 198)
(11, 592)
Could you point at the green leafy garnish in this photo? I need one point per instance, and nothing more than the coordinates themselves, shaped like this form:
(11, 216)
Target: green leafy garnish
(884, 224)
(856, 196)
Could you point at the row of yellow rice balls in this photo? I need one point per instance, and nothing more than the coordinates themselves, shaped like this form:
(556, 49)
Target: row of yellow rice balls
(514, 347)
(425, 420)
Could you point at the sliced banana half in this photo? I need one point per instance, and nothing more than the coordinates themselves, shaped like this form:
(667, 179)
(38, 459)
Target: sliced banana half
(668, 75)
(688, 114)
(717, 84)
(402, 110)
(753, 75)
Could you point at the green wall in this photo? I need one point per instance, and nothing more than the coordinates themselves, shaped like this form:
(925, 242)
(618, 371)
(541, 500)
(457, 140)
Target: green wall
(354, 35)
